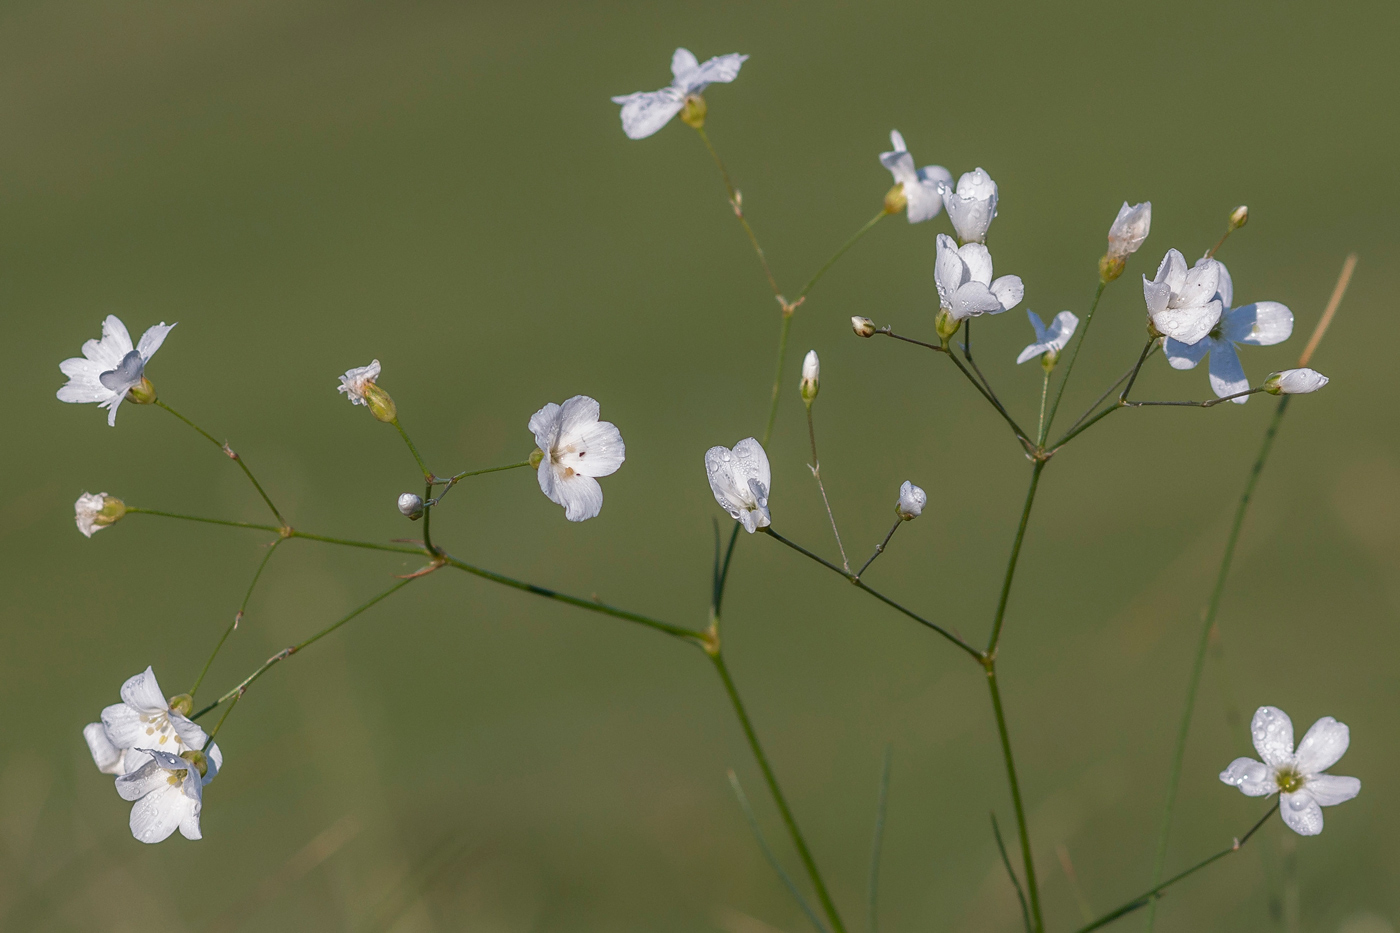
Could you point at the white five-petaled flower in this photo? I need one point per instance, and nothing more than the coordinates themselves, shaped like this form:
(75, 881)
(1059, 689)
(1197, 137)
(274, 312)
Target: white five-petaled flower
(143, 720)
(1129, 229)
(577, 447)
(740, 479)
(923, 188)
(972, 205)
(964, 279)
(1261, 324)
(1295, 382)
(1050, 339)
(1297, 776)
(110, 367)
(1182, 303)
(645, 112)
(356, 381)
(911, 502)
(95, 512)
(167, 793)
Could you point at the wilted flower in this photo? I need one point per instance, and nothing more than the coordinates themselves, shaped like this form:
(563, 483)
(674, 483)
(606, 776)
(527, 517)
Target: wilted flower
(167, 792)
(911, 502)
(811, 376)
(1183, 304)
(1297, 777)
(1295, 382)
(1129, 229)
(143, 720)
(645, 112)
(923, 189)
(577, 447)
(411, 505)
(740, 479)
(95, 512)
(1050, 340)
(360, 387)
(964, 279)
(110, 368)
(1261, 324)
(972, 205)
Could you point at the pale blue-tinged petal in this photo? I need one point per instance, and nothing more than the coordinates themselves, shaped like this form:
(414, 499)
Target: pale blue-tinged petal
(1261, 324)
(719, 70)
(646, 112)
(111, 406)
(1329, 790)
(152, 339)
(925, 201)
(1253, 778)
(901, 166)
(1323, 745)
(683, 65)
(1041, 334)
(1009, 291)
(136, 784)
(1226, 373)
(897, 141)
(1272, 732)
(936, 176)
(752, 463)
(581, 497)
(188, 730)
(159, 813)
(1186, 355)
(973, 299)
(1062, 328)
(1031, 352)
(1301, 812)
(1225, 286)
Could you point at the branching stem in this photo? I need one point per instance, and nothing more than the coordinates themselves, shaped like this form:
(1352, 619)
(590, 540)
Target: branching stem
(229, 452)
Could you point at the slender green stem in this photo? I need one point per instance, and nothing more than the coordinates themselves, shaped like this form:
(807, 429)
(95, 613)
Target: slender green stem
(1036, 470)
(1203, 640)
(1080, 429)
(1132, 377)
(1078, 345)
(722, 576)
(1106, 393)
(873, 884)
(229, 452)
(880, 548)
(828, 906)
(1145, 898)
(238, 616)
(736, 201)
(1011, 873)
(428, 516)
(1038, 923)
(427, 473)
(220, 724)
(195, 518)
(987, 394)
(777, 378)
(816, 468)
(869, 225)
(1044, 394)
(456, 478)
(773, 862)
(368, 545)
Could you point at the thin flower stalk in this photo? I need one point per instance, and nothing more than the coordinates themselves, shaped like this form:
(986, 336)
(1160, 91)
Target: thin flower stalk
(232, 455)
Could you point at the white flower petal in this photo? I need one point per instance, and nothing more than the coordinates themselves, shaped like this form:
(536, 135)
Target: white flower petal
(124, 726)
(979, 262)
(1042, 333)
(718, 70)
(973, 299)
(925, 200)
(1062, 328)
(1226, 373)
(188, 730)
(1253, 778)
(1157, 295)
(1200, 284)
(1186, 355)
(159, 813)
(1225, 288)
(152, 339)
(581, 497)
(142, 692)
(1261, 324)
(1323, 745)
(1172, 271)
(105, 755)
(1188, 324)
(683, 65)
(1329, 790)
(901, 166)
(1301, 812)
(1009, 291)
(1272, 731)
(545, 425)
(116, 342)
(646, 112)
(949, 270)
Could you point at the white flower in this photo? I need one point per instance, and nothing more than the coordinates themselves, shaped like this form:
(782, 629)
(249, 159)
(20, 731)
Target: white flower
(923, 189)
(964, 279)
(811, 376)
(411, 504)
(1183, 305)
(740, 479)
(95, 512)
(167, 791)
(1299, 776)
(1050, 339)
(972, 205)
(357, 381)
(577, 447)
(1261, 324)
(911, 502)
(108, 758)
(143, 720)
(110, 367)
(1295, 382)
(1129, 229)
(645, 112)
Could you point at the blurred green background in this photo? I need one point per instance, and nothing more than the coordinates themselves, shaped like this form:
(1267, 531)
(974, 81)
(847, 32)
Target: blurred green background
(306, 185)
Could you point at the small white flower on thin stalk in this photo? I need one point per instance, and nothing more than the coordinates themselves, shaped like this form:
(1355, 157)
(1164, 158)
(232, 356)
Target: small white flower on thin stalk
(923, 188)
(1052, 339)
(577, 447)
(1129, 229)
(356, 382)
(972, 205)
(811, 376)
(963, 276)
(144, 720)
(1182, 304)
(1261, 324)
(1295, 382)
(740, 480)
(911, 502)
(1297, 776)
(109, 368)
(167, 792)
(646, 112)
(95, 512)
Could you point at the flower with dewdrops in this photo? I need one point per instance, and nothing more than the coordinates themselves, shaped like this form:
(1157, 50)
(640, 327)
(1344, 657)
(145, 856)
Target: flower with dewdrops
(911, 502)
(111, 370)
(1182, 304)
(921, 189)
(1049, 341)
(1295, 382)
(740, 480)
(972, 205)
(646, 112)
(95, 512)
(1298, 777)
(360, 386)
(1261, 324)
(144, 720)
(167, 793)
(966, 289)
(576, 448)
(1129, 229)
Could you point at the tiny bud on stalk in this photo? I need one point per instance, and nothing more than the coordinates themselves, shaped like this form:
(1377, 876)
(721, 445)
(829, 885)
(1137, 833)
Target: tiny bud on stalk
(411, 505)
(1295, 382)
(1239, 217)
(1125, 236)
(811, 377)
(896, 200)
(143, 393)
(863, 326)
(380, 404)
(693, 113)
(911, 502)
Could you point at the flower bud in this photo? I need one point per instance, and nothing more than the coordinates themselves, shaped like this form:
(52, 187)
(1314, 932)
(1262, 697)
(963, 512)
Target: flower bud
(811, 376)
(1239, 217)
(1048, 359)
(946, 324)
(1125, 236)
(863, 326)
(911, 502)
(1295, 382)
(143, 393)
(380, 404)
(197, 760)
(411, 505)
(182, 703)
(536, 458)
(895, 199)
(693, 113)
(95, 512)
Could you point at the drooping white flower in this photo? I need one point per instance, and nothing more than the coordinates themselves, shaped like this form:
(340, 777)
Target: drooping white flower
(1297, 776)
(740, 480)
(911, 502)
(811, 376)
(1052, 339)
(95, 512)
(577, 447)
(144, 720)
(110, 367)
(108, 758)
(964, 279)
(1295, 382)
(972, 205)
(1182, 303)
(167, 792)
(1261, 324)
(646, 112)
(923, 188)
(356, 382)
(1129, 229)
